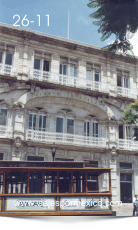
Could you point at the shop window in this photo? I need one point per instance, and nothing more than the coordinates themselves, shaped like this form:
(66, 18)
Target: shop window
(35, 182)
(79, 185)
(16, 182)
(64, 182)
(92, 182)
(50, 182)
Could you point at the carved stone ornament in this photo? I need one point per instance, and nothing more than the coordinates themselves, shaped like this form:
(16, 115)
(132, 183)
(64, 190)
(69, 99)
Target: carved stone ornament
(113, 151)
(18, 142)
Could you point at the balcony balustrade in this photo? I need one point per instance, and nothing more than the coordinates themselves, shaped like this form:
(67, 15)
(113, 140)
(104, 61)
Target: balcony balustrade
(8, 70)
(124, 144)
(125, 92)
(60, 79)
(6, 131)
(65, 139)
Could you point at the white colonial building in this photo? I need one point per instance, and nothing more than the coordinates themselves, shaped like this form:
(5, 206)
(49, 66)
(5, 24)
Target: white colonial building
(55, 90)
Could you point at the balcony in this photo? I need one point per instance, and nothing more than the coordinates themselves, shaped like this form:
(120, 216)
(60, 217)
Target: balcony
(65, 139)
(124, 144)
(65, 80)
(8, 70)
(6, 132)
(125, 92)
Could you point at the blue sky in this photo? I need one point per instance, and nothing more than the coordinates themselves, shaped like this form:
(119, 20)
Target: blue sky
(81, 27)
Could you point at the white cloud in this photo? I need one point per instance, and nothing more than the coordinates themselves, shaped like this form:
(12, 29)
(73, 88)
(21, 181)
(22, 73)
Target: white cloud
(109, 41)
(82, 19)
(134, 42)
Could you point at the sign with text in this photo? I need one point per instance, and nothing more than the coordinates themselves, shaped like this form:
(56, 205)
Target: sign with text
(30, 204)
(84, 203)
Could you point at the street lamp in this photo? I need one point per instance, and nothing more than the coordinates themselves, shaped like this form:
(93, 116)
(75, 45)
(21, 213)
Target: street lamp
(53, 150)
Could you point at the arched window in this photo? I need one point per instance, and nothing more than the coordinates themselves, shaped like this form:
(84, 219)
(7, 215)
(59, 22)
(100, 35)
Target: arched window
(37, 120)
(95, 129)
(3, 114)
(60, 123)
(42, 121)
(70, 124)
(87, 128)
(32, 120)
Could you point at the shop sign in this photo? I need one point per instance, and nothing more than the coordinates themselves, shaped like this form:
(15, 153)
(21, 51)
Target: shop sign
(30, 204)
(85, 203)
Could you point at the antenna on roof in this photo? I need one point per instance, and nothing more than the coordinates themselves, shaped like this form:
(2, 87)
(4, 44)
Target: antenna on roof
(68, 25)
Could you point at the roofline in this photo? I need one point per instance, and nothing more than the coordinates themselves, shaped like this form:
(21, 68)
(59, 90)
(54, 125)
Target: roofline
(25, 31)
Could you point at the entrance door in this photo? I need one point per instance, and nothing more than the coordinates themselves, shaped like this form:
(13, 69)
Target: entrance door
(126, 187)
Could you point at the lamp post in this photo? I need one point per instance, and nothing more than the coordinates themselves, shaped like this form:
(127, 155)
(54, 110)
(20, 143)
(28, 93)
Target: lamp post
(53, 150)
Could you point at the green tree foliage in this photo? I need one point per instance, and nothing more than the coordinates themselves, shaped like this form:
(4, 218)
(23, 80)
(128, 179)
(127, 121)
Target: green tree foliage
(118, 17)
(131, 117)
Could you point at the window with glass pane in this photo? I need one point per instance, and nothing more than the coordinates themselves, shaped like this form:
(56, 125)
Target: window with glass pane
(92, 164)
(89, 75)
(42, 122)
(119, 81)
(86, 128)
(64, 182)
(16, 182)
(0, 57)
(35, 182)
(1, 156)
(92, 182)
(96, 76)
(3, 116)
(50, 182)
(125, 82)
(35, 158)
(32, 121)
(70, 126)
(79, 185)
(8, 60)
(63, 69)
(128, 132)
(126, 177)
(59, 125)
(121, 135)
(124, 165)
(95, 129)
(46, 66)
(73, 71)
(1, 182)
(36, 64)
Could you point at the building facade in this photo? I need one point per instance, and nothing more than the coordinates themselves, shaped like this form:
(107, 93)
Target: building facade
(55, 90)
